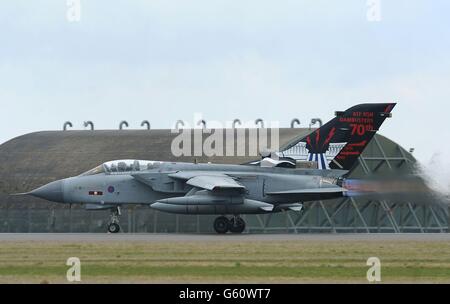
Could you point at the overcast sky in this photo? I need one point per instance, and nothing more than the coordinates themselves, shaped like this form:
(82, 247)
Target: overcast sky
(166, 60)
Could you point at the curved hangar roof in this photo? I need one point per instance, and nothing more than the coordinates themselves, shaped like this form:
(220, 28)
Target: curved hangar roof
(33, 159)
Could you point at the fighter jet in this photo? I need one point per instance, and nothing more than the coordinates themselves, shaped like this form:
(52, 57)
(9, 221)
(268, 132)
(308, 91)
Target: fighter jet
(279, 181)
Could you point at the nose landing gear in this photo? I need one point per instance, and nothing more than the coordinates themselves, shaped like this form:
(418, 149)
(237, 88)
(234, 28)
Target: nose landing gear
(235, 225)
(113, 226)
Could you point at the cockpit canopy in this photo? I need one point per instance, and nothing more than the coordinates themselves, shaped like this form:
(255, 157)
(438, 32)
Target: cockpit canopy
(124, 165)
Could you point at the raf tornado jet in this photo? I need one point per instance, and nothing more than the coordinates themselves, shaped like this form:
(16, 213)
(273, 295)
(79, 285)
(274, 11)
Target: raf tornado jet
(279, 181)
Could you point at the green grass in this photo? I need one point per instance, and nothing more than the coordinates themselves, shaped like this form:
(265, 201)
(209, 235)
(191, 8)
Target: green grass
(229, 272)
(282, 261)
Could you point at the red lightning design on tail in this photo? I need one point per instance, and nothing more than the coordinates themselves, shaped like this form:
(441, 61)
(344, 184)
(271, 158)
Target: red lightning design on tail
(330, 136)
(317, 137)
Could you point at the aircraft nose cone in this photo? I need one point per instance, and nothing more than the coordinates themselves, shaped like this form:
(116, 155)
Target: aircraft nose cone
(52, 192)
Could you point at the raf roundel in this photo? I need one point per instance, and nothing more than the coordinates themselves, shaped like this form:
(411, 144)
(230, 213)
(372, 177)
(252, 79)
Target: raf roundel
(110, 189)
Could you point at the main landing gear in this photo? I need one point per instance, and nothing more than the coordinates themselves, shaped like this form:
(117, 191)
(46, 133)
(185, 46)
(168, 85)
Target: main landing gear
(113, 226)
(235, 224)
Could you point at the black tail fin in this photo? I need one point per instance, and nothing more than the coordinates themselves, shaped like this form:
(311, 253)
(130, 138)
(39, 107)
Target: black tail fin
(338, 143)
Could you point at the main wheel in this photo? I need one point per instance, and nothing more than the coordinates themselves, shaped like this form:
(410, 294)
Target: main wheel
(113, 228)
(221, 224)
(237, 225)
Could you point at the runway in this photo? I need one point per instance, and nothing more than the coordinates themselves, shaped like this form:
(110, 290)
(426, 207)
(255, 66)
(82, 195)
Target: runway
(158, 237)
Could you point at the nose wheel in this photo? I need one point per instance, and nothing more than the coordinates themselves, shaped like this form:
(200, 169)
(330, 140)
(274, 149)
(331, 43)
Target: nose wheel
(113, 226)
(235, 225)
